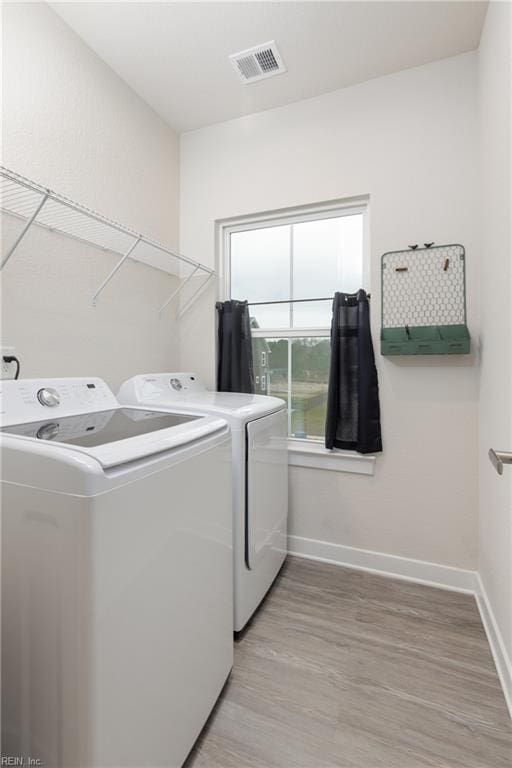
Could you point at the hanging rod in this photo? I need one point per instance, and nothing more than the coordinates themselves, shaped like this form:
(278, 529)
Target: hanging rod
(292, 301)
(35, 204)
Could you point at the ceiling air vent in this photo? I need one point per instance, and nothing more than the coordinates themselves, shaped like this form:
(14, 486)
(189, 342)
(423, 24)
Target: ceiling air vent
(258, 63)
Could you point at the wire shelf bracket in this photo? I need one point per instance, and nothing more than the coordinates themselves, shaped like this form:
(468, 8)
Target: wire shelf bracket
(195, 295)
(23, 231)
(35, 204)
(178, 290)
(113, 272)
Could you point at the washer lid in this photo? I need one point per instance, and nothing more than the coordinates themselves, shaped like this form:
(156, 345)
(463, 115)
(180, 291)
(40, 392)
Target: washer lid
(119, 435)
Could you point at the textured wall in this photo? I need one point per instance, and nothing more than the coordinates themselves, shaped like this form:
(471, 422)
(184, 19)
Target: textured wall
(48, 314)
(70, 123)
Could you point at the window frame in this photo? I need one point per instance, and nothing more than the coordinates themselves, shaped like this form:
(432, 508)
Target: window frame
(288, 217)
(302, 451)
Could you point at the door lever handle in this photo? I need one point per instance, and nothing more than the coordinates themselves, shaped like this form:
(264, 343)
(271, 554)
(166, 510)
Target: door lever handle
(499, 458)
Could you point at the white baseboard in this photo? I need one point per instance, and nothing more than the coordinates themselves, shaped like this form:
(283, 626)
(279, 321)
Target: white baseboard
(421, 572)
(499, 652)
(433, 574)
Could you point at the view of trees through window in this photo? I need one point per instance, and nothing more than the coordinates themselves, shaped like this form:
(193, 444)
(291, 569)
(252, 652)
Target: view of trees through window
(306, 389)
(273, 267)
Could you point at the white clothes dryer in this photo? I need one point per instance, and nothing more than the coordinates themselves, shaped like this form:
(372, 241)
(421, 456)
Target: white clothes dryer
(260, 473)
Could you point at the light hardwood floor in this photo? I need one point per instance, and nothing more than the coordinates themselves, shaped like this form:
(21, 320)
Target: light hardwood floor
(341, 668)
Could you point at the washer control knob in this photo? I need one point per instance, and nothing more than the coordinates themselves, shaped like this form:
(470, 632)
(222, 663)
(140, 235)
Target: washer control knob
(48, 431)
(48, 396)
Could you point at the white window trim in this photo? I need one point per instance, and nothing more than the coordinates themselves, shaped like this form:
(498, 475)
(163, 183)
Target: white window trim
(326, 210)
(301, 452)
(312, 453)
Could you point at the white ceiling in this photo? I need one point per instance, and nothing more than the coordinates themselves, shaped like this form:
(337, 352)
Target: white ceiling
(175, 54)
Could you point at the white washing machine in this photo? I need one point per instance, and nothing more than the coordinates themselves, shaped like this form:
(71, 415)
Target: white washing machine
(116, 575)
(260, 473)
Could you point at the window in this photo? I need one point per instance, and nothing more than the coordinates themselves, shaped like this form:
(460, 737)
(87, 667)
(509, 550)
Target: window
(288, 269)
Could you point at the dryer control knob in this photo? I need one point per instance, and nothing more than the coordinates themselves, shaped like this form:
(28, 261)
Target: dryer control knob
(49, 397)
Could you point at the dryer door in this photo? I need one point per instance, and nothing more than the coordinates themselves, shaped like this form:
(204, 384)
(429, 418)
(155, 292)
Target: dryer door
(267, 487)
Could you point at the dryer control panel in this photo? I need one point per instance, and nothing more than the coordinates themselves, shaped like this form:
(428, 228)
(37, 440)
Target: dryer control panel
(27, 400)
(174, 386)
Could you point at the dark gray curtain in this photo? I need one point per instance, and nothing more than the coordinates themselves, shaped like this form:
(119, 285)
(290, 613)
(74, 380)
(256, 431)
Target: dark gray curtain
(234, 369)
(353, 410)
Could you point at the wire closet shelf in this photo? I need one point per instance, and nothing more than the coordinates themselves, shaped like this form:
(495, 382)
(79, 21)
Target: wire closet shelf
(34, 204)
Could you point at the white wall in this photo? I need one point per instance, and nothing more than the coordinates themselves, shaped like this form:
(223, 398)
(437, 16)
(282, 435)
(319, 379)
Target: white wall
(409, 140)
(71, 124)
(495, 82)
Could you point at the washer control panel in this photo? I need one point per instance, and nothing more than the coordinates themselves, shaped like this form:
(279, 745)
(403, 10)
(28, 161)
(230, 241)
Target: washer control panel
(26, 400)
(48, 396)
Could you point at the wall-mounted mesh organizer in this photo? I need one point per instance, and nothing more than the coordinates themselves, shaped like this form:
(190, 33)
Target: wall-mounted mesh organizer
(424, 302)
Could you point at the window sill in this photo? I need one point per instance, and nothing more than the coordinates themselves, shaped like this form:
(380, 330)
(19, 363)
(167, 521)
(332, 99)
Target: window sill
(310, 453)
